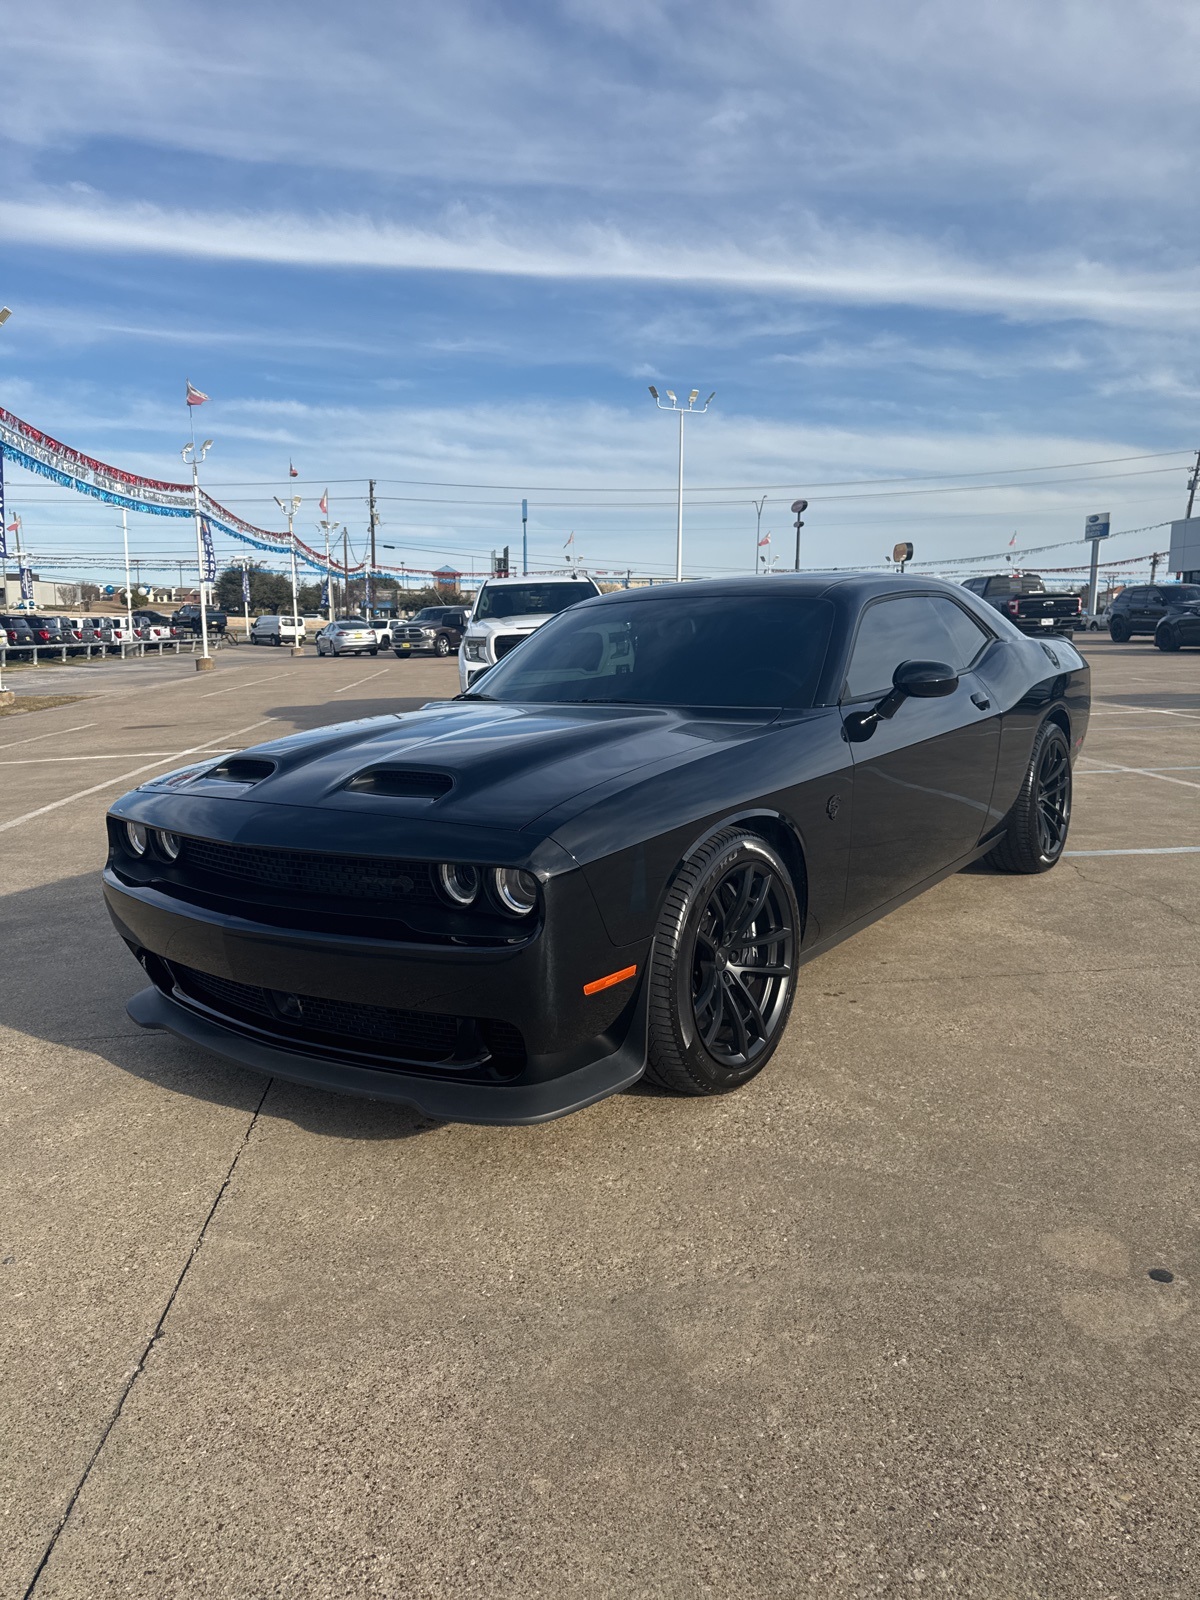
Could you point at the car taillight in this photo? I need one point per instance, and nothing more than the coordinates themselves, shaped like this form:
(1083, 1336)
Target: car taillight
(12, 638)
(44, 635)
(1078, 606)
(1013, 608)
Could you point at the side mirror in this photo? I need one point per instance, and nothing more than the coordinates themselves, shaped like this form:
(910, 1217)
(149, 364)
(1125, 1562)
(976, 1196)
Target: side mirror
(924, 680)
(916, 680)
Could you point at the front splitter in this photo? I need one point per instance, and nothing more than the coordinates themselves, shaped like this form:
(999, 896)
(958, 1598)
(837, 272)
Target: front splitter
(497, 1104)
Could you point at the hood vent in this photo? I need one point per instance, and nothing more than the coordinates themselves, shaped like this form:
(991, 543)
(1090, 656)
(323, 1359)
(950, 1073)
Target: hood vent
(402, 783)
(242, 769)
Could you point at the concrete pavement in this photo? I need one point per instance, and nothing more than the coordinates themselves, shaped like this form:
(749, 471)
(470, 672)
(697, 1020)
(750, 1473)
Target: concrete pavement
(880, 1324)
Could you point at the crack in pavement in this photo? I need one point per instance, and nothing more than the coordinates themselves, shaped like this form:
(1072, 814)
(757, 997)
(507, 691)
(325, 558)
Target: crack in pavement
(149, 1345)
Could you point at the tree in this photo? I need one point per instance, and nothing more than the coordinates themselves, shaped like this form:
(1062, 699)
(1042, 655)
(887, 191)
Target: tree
(269, 591)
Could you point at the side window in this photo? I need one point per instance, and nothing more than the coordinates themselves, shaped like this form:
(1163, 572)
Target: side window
(967, 637)
(976, 585)
(908, 628)
(1136, 597)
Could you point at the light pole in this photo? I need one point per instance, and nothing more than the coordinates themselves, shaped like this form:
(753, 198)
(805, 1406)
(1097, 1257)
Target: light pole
(758, 507)
(193, 454)
(327, 528)
(128, 588)
(696, 411)
(289, 509)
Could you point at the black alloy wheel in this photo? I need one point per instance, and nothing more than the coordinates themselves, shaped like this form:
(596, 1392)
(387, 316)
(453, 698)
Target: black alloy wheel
(1119, 631)
(441, 645)
(1041, 818)
(1166, 638)
(724, 967)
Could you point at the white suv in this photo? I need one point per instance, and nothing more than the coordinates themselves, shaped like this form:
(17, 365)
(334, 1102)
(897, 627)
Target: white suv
(508, 610)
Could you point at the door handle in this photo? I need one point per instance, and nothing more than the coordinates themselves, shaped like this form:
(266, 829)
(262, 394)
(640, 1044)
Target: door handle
(982, 701)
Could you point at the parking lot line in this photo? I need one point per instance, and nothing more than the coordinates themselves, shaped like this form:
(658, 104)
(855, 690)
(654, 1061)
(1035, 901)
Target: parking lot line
(119, 755)
(123, 777)
(233, 687)
(1149, 772)
(357, 681)
(1143, 850)
(59, 733)
(1097, 772)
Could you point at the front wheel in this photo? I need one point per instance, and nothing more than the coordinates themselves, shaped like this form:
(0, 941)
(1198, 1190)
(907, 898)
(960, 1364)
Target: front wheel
(1166, 639)
(441, 645)
(724, 966)
(1038, 823)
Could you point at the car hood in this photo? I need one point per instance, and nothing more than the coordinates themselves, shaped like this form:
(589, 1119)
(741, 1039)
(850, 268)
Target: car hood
(500, 766)
(522, 624)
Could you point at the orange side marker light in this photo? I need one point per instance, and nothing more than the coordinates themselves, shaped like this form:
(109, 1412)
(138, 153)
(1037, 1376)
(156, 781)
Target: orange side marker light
(609, 982)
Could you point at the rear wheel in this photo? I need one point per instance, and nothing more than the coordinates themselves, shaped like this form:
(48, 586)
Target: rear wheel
(1040, 820)
(724, 966)
(441, 645)
(1119, 631)
(1166, 638)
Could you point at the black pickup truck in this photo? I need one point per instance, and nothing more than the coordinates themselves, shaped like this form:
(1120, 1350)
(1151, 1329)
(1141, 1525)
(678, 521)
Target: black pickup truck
(1025, 601)
(187, 619)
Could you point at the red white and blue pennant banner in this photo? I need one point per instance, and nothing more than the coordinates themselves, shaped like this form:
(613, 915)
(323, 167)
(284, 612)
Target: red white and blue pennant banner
(28, 447)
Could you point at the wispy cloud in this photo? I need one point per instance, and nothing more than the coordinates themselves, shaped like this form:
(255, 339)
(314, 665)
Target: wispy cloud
(843, 266)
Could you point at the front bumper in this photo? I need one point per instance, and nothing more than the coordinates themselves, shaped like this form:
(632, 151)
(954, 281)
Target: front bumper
(576, 1048)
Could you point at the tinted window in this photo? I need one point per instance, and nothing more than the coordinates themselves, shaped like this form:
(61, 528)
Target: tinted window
(531, 599)
(967, 637)
(909, 628)
(1136, 596)
(1181, 593)
(761, 651)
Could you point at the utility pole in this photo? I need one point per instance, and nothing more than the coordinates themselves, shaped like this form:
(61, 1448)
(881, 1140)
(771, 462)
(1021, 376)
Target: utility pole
(128, 589)
(1154, 560)
(371, 569)
(524, 538)
(1193, 482)
(346, 567)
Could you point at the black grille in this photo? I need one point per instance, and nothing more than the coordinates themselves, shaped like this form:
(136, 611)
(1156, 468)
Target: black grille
(343, 1027)
(504, 642)
(307, 873)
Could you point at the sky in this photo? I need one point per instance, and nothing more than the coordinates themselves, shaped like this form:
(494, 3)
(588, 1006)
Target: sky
(938, 262)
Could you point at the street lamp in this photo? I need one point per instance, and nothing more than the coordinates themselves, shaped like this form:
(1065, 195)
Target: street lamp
(691, 409)
(327, 528)
(193, 454)
(758, 509)
(289, 509)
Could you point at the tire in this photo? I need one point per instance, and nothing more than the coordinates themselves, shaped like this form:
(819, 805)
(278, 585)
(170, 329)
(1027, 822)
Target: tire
(1039, 822)
(373, 652)
(710, 1029)
(1166, 639)
(1119, 631)
(441, 645)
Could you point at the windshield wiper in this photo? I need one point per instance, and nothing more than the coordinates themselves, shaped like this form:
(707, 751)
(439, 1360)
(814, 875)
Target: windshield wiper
(474, 694)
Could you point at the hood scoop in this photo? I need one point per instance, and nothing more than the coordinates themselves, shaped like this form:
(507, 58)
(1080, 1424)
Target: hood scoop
(401, 783)
(242, 769)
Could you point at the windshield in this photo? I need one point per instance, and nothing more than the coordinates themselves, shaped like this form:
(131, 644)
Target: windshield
(530, 599)
(1182, 594)
(431, 614)
(757, 651)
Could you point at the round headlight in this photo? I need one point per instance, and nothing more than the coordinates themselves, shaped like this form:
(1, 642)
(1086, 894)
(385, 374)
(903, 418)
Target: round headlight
(516, 891)
(460, 884)
(136, 835)
(169, 844)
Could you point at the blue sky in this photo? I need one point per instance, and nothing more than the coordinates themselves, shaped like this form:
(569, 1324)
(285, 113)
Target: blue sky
(452, 245)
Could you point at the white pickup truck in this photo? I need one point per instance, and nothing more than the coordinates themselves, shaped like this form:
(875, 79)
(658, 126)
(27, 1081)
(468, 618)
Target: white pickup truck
(508, 610)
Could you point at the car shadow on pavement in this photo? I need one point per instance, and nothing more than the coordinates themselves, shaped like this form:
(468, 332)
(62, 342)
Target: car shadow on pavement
(66, 979)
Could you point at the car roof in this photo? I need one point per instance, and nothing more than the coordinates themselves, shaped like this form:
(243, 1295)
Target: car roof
(852, 586)
(538, 578)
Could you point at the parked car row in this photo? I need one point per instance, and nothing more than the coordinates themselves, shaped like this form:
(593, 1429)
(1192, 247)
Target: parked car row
(26, 631)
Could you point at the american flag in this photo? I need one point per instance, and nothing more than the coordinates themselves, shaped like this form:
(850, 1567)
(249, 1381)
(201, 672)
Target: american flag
(292, 473)
(323, 502)
(762, 542)
(194, 396)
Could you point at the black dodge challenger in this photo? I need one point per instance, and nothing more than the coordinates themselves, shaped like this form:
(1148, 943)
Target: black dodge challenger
(611, 857)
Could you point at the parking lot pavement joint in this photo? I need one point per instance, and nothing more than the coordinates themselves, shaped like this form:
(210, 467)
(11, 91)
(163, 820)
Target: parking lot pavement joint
(139, 1367)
